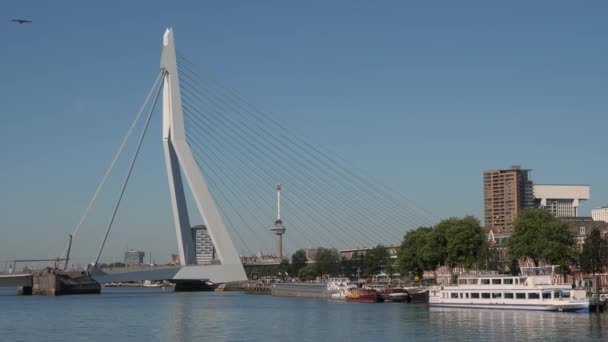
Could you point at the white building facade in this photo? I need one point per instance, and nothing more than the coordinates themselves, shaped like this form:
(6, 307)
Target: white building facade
(600, 214)
(560, 200)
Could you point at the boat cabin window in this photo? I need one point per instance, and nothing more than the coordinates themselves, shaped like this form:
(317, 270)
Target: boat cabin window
(466, 295)
(485, 281)
(516, 281)
(475, 295)
(508, 296)
(533, 295)
(461, 295)
(556, 294)
(485, 295)
(496, 281)
(520, 295)
(508, 281)
(565, 294)
(454, 295)
(496, 295)
(462, 281)
(546, 295)
(472, 281)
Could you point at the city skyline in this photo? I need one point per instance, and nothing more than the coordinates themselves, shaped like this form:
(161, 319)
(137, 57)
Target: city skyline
(401, 98)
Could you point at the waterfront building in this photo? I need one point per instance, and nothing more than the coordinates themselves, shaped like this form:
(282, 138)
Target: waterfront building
(260, 259)
(348, 253)
(203, 245)
(600, 214)
(498, 242)
(505, 194)
(311, 253)
(560, 200)
(133, 257)
(582, 226)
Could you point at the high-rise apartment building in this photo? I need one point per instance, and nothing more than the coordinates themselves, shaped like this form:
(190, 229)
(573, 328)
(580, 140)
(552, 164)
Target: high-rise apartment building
(204, 249)
(505, 194)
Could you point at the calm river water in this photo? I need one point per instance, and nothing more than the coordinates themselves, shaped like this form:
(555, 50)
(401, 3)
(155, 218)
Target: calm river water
(121, 314)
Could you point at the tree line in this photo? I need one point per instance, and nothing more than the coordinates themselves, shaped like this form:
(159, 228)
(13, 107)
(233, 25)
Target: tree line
(452, 242)
(328, 262)
(461, 242)
(537, 236)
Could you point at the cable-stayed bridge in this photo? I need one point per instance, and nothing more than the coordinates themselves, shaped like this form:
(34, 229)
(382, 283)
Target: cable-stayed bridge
(230, 154)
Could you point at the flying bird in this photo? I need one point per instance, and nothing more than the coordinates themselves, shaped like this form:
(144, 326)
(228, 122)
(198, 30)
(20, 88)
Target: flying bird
(22, 21)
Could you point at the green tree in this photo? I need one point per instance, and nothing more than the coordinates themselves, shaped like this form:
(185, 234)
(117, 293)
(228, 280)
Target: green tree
(464, 241)
(413, 255)
(307, 272)
(452, 242)
(377, 260)
(346, 267)
(540, 236)
(284, 269)
(327, 261)
(298, 261)
(594, 254)
(436, 251)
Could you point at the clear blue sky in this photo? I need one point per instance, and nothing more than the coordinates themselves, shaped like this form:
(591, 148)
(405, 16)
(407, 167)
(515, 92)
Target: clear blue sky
(422, 95)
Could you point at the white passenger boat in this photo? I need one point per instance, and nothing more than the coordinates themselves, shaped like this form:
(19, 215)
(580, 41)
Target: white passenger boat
(535, 289)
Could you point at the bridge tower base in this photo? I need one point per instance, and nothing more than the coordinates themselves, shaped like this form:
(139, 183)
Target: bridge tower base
(193, 286)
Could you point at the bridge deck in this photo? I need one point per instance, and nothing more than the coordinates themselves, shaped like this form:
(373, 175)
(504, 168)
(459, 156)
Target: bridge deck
(15, 280)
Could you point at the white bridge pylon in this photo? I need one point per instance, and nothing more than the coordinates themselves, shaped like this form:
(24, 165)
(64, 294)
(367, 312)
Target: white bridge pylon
(178, 158)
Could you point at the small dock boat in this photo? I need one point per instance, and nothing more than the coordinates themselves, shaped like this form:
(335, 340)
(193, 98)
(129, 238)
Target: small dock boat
(395, 294)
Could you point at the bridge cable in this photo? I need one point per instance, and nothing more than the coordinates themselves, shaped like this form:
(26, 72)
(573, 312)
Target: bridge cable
(359, 192)
(223, 170)
(301, 170)
(273, 162)
(374, 187)
(317, 160)
(112, 164)
(131, 165)
(333, 213)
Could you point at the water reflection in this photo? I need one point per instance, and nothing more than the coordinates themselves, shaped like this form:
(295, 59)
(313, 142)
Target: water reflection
(131, 314)
(516, 324)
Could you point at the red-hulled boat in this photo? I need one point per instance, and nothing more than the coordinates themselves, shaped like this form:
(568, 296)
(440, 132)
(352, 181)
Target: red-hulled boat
(362, 295)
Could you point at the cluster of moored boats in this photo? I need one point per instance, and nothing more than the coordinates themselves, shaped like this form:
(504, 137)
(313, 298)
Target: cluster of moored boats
(343, 289)
(534, 289)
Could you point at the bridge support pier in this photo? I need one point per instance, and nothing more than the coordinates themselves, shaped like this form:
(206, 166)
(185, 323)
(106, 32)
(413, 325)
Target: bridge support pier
(51, 282)
(24, 291)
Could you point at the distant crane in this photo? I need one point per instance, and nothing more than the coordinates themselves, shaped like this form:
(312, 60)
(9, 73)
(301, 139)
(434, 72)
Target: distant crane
(22, 21)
